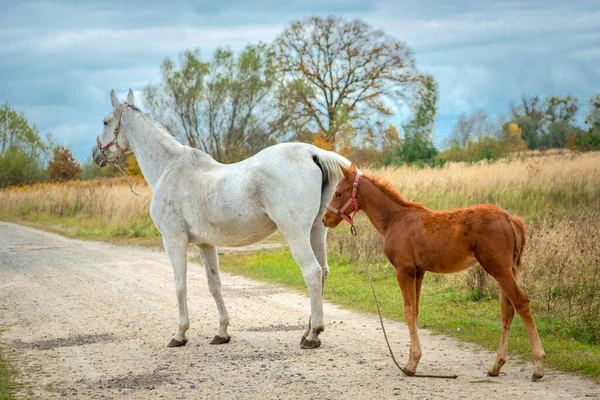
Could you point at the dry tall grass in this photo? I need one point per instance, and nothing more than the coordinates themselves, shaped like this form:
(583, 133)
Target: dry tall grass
(558, 195)
(102, 206)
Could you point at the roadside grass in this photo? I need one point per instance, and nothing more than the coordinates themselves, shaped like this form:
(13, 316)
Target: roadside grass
(557, 195)
(444, 309)
(6, 377)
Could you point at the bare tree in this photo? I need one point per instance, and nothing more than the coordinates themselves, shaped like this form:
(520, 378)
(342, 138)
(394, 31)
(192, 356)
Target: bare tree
(335, 72)
(470, 127)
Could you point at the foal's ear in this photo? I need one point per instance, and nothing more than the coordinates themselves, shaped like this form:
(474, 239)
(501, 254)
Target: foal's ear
(113, 99)
(130, 97)
(352, 168)
(344, 171)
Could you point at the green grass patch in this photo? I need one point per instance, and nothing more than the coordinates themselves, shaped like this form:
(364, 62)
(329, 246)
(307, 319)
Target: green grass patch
(6, 378)
(444, 309)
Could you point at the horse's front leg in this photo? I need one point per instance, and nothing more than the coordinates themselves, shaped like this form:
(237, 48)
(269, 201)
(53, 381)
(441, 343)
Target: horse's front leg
(176, 248)
(407, 279)
(211, 264)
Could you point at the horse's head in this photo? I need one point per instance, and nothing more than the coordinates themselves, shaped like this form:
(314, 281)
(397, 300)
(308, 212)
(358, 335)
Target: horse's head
(343, 202)
(112, 143)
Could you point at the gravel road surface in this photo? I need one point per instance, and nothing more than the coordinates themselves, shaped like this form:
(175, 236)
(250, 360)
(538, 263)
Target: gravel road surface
(91, 320)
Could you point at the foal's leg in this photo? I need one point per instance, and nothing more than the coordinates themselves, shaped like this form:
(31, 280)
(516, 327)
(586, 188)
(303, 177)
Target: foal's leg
(419, 283)
(407, 281)
(502, 272)
(520, 302)
(507, 312)
(176, 248)
(211, 265)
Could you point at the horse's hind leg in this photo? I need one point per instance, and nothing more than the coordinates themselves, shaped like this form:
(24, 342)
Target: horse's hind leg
(318, 242)
(507, 312)
(313, 277)
(211, 265)
(176, 248)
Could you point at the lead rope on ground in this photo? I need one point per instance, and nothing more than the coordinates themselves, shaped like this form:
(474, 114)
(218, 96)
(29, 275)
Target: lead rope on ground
(354, 235)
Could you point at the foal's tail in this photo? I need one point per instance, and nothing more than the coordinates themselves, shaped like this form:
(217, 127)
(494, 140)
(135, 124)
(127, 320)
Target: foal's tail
(518, 227)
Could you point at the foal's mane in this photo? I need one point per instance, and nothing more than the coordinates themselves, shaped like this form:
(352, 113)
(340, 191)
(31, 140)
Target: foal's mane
(390, 191)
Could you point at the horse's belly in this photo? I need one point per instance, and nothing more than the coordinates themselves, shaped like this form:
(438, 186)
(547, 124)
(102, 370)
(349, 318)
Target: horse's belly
(449, 264)
(236, 233)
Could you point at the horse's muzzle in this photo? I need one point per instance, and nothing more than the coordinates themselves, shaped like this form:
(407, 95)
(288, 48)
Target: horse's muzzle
(98, 157)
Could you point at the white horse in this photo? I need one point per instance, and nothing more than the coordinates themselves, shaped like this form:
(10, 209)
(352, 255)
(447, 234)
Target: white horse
(198, 200)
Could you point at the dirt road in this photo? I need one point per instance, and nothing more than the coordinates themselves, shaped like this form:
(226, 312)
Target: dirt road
(92, 320)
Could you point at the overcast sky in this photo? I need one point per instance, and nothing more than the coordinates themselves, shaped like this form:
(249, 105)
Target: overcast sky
(59, 59)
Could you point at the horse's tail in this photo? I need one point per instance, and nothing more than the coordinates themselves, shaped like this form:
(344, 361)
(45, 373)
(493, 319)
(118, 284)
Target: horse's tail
(328, 162)
(518, 227)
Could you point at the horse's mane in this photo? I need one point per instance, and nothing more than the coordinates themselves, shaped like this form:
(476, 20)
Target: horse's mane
(390, 191)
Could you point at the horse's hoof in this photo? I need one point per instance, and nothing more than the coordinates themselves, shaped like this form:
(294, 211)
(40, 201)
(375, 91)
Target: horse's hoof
(491, 374)
(535, 377)
(409, 373)
(177, 343)
(302, 340)
(220, 340)
(310, 344)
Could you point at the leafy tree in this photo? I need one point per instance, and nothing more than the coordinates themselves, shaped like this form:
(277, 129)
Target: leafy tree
(593, 117)
(17, 134)
(513, 141)
(417, 145)
(588, 141)
(22, 150)
(561, 109)
(484, 148)
(19, 168)
(531, 118)
(335, 72)
(63, 166)
(557, 133)
(221, 106)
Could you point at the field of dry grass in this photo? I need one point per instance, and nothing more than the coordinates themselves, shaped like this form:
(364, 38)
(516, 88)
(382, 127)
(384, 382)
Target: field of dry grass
(558, 195)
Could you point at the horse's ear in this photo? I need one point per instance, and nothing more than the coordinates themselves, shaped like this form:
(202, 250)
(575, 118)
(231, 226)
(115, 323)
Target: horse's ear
(130, 97)
(113, 99)
(344, 171)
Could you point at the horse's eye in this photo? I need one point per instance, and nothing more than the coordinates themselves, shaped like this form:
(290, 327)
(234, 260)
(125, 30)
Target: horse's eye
(105, 123)
(338, 194)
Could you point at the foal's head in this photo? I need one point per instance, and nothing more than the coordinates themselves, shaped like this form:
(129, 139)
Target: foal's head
(112, 143)
(341, 199)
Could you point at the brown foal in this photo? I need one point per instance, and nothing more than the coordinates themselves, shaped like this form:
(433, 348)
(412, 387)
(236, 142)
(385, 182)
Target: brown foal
(418, 240)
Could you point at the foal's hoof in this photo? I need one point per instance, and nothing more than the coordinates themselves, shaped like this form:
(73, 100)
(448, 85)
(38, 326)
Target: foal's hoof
(310, 344)
(535, 377)
(220, 340)
(177, 343)
(490, 373)
(409, 373)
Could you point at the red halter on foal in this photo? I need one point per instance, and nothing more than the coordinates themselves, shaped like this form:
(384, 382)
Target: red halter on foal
(351, 200)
